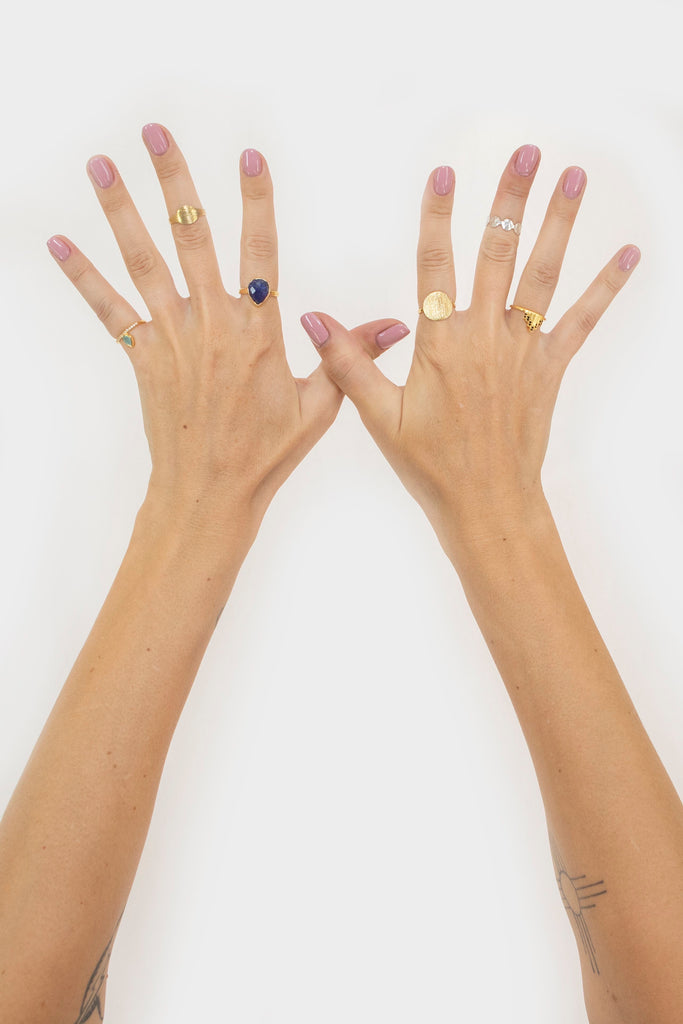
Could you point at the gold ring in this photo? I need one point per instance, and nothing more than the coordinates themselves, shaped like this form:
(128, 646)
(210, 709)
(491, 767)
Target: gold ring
(437, 306)
(533, 320)
(258, 291)
(186, 215)
(126, 338)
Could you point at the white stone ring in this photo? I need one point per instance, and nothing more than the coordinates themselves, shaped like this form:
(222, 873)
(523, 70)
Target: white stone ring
(506, 224)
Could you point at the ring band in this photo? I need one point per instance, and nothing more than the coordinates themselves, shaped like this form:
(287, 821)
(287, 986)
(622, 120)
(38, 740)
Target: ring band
(533, 320)
(126, 338)
(258, 291)
(437, 306)
(186, 215)
(505, 223)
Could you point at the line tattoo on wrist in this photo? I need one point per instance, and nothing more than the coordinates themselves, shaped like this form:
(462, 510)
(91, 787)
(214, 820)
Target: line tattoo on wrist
(92, 999)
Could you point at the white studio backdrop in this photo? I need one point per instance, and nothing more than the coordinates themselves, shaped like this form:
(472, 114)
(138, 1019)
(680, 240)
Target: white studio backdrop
(349, 826)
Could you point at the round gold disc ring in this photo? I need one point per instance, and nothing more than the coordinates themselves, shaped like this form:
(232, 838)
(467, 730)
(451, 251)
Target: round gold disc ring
(186, 215)
(437, 306)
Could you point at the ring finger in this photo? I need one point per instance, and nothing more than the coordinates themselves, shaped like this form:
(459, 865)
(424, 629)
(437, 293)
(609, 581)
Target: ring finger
(540, 276)
(435, 269)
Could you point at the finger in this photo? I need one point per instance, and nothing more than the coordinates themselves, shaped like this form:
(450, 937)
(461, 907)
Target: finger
(572, 330)
(193, 242)
(540, 276)
(319, 396)
(258, 246)
(144, 262)
(115, 312)
(350, 366)
(496, 260)
(435, 269)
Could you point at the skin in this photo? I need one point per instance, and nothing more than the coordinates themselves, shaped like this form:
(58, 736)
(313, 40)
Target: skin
(467, 435)
(226, 423)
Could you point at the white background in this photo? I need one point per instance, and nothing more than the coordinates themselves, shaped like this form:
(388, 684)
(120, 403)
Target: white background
(349, 826)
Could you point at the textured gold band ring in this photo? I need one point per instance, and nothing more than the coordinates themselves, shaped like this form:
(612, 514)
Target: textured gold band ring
(533, 320)
(437, 306)
(126, 338)
(186, 215)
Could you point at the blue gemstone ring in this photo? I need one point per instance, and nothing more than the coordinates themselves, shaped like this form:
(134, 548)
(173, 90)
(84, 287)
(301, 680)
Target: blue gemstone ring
(258, 291)
(126, 338)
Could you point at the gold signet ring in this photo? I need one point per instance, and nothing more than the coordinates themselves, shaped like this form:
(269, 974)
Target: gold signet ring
(186, 215)
(533, 320)
(126, 338)
(437, 306)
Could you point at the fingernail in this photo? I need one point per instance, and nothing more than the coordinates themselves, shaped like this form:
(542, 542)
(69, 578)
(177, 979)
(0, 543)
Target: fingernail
(629, 257)
(443, 180)
(526, 160)
(100, 171)
(252, 162)
(391, 335)
(155, 138)
(58, 248)
(315, 328)
(573, 183)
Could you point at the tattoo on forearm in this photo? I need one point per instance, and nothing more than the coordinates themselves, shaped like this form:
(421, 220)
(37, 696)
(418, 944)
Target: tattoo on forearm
(219, 616)
(577, 898)
(92, 1000)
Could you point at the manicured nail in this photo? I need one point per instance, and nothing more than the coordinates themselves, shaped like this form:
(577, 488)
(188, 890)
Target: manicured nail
(391, 335)
(155, 138)
(629, 257)
(573, 183)
(252, 162)
(443, 180)
(526, 160)
(100, 171)
(315, 328)
(58, 248)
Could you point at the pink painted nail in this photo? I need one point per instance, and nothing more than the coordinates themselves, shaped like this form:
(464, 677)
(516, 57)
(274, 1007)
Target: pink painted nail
(629, 257)
(58, 248)
(391, 335)
(155, 139)
(443, 180)
(100, 171)
(252, 162)
(573, 183)
(526, 160)
(315, 328)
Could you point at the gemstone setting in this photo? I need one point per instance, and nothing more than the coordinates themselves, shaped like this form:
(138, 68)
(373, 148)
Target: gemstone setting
(258, 290)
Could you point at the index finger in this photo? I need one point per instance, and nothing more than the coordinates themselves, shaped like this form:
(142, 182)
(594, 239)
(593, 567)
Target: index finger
(498, 251)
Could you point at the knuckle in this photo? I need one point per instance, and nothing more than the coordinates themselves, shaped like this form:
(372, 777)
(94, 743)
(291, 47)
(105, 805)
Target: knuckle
(259, 246)
(191, 237)
(141, 263)
(544, 273)
(79, 271)
(341, 365)
(498, 248)
(586, 320)
(169, 169)
(104, 311)
(257, 193)
(435, 257)
(517, 187)
(114, 200)
(612, 285)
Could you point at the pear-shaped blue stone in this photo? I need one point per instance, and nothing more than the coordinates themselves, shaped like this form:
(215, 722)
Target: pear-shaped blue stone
(127, 340)
(258, 290)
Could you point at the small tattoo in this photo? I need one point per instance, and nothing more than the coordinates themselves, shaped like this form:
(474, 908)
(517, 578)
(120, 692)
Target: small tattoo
(219, 615)
(577, 899)
(91, 1000)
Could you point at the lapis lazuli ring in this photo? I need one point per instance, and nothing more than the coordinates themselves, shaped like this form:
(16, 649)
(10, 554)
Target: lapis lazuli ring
(505, 223)
(258, 291)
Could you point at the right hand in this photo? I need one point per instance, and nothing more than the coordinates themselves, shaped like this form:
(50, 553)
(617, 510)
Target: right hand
(468, 432)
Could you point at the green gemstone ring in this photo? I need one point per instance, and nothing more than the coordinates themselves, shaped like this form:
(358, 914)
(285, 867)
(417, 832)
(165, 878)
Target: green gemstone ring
(126, 338)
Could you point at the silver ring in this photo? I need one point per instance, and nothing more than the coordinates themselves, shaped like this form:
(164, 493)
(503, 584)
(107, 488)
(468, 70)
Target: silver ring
(505, 223)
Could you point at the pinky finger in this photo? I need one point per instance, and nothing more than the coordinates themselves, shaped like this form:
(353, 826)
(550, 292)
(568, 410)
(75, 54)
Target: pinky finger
(115, 312)
(572, 330)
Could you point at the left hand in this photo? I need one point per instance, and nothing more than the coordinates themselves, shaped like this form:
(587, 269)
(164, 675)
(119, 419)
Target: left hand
(225, 419)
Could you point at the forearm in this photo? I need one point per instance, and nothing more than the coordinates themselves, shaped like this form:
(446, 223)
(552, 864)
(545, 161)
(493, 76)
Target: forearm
(73, 833)
(613, 814)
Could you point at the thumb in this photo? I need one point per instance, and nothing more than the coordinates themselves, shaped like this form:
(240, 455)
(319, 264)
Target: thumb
(348, 362)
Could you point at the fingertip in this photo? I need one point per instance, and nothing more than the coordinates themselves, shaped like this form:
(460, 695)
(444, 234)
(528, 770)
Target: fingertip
(443, 180)
(251, 163)
(629, 258)
(156, 138)
(315, 328)
(388, 337)
(59, 248)
(525, 160)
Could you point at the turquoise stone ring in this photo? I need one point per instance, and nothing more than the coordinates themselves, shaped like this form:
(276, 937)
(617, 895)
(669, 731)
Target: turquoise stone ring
(126, 338)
